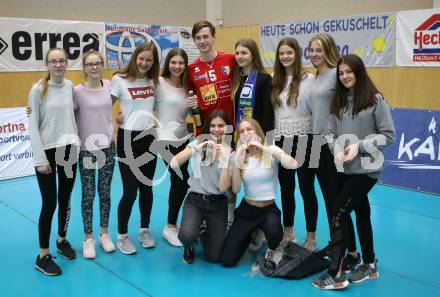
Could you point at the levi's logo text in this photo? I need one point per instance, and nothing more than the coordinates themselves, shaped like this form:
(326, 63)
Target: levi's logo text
(141, 92)
(427, 40)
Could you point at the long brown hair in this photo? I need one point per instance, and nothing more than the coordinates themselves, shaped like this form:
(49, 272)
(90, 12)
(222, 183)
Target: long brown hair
(364, 89)
(257, 64)
(45, 80)
(279, 74)
(131, 72)
(328, 46)
(166, 67)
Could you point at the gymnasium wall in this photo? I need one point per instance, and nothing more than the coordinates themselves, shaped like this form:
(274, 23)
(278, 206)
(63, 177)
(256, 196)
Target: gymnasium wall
(405, 87)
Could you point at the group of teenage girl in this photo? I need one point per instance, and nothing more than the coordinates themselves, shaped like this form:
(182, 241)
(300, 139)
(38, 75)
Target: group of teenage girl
(331, 125)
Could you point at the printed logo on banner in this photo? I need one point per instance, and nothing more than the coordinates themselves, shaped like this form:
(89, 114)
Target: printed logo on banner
(427, 40)
(3, 46)
(413, 160)
(122, 45)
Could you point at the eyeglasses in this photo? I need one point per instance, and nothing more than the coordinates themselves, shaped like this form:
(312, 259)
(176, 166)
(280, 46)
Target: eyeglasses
(55, 62)
(94, 65)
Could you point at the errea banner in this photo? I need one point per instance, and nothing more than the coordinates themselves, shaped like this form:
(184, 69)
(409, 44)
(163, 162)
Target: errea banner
(371, 37)
(25, 42)
(122, 40)
(418, 38)
(15, 147)
(413, 160)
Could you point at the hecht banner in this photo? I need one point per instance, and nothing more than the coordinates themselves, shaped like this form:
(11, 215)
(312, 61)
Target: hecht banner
(25, 42)
(413, 160)
(15, 147)
(418, 38)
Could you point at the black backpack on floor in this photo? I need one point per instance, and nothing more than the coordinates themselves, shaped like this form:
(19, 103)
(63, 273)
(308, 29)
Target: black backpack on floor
(296, 263)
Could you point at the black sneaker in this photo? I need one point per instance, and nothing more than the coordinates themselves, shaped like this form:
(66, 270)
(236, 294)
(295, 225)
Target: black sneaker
(351, 262)
(66, 250)
(47, 266)
(325, 252)
(188, 254)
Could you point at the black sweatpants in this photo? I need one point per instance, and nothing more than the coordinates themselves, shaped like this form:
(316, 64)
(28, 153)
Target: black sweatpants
(353, 195)
(50, 194)
(137, 163)
(179, 185)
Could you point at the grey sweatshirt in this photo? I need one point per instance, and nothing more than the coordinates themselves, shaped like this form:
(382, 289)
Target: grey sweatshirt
(372, 129)
(322, 90)
(52, 122)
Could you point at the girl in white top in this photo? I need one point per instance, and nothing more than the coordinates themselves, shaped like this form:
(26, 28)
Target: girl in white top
(54, 140)
(291, 85)
(172, 133)
(93, 106)
(136, 141)
(256, 166)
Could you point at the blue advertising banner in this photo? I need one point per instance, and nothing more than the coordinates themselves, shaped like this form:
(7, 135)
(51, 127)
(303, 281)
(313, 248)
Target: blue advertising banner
(122, 39)
(413, 160)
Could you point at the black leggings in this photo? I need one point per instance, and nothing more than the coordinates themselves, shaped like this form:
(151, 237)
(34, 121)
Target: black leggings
(179, 185)
(249, 218)
(298, 147)
(353, 191)
(49, 194)
(135, 176)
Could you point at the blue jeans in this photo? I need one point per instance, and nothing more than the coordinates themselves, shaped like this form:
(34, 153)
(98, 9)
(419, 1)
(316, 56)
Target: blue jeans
(213, 209)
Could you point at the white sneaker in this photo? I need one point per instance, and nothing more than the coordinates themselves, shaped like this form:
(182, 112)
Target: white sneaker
(125, 244)
(89, 251)
(288, 237)
(310, 244)
(106, 243)
(146, 238)
(170, 234)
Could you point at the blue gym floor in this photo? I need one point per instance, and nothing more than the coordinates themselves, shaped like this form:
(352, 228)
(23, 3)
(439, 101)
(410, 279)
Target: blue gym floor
(406, 228)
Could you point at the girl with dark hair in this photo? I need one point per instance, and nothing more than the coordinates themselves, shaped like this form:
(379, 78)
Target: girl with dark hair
(54, 141)
(172, 133)
(291, 85)
(361, 126)
(251, 86)
(208, 183)
(136, 141)
(256, 166)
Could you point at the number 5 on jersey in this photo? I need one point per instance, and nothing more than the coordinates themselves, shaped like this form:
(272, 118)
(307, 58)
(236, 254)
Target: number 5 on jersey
(212, 76)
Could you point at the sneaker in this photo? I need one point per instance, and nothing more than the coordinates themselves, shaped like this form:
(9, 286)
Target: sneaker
(288, 237)
(107, 243)
(351, 262)
(125, 244)
(171, 235)
(146, 238)
(65, 249)
(310, 244)
(47, 266)
(325, 252)
(89, 251)
(188, 254)
(327, 282)
(364, 272)
(257, 241)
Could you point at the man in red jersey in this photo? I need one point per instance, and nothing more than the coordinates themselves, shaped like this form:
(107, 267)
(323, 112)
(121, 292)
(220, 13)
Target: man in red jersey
(210, 75)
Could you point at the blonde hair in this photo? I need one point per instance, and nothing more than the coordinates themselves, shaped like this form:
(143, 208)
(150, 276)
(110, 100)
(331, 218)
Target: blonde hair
(328, 45)
(88, 54)
(265, 158)
(45, 80)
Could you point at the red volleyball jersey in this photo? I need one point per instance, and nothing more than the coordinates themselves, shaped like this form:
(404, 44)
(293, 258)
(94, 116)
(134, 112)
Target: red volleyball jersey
(212, 83)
